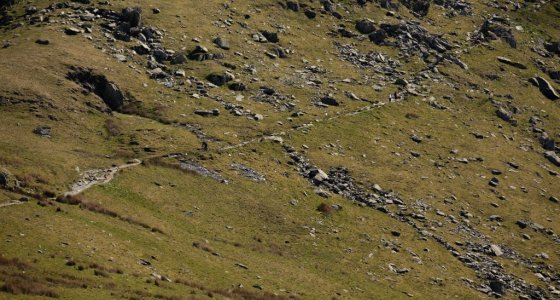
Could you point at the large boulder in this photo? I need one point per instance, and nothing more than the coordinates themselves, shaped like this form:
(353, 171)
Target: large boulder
(7, 180)
(552, 157)
(365, 26)
(292, 5)
(132, 15)
(272, 37)
(418, 7)
(220, 79)
(545, 87)
(98, 84)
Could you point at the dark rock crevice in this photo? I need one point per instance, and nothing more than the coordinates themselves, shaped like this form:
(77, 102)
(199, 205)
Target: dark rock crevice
(98, 84)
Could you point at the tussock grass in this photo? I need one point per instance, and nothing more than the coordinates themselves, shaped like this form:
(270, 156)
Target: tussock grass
(18, 286)
(98, 208)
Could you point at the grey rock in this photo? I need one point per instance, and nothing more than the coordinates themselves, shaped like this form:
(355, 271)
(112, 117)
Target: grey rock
(365, 26)
(179, 58)
(192, 166)
(43, 131)
(98, 84)
(141, 48)
(497, 287)
(271, 37)
(328, 100)
(248, 172)
(220, 79)
(322, 193)
(72, 31)
(292, 5)
(42, 41)
(222, 43)
(496, 250)
(7, 180)
(310, 14)
(237, 86)
(508, 61)
(417, 7)
(416, 138)
(545, 87)
(552, 157)
(180, 73)
(132, 15)
(207, 113)
(506, 115)
(522, 224)
(318, 175)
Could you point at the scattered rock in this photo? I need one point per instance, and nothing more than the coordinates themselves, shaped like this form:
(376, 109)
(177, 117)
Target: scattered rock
(98, 84)
(497, 287)
(132, 15)
(72, 31)
(7, 180)
(506, 115)
(496, 250)
(220, 79)
(192, 166)
(207, 113)
(271, 37)
(552, 157)
(248, 172)
(365, 26)
(292, 5)
(508, 61)
(43, 131)
(42, 41)
(328, 100)
(310, 14)
(493, 29)
(222, 43)
(318, 175)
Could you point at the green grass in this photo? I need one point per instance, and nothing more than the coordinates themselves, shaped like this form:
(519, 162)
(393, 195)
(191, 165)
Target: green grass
(289, 250)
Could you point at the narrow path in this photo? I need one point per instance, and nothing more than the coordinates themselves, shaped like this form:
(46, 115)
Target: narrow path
(13, 202)
(92, 178)
(95, 177)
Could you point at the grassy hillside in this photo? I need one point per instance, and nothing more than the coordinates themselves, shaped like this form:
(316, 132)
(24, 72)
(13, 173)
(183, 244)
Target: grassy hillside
(316, 150)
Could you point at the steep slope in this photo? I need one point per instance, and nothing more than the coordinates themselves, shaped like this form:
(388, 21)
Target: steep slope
(280, 149)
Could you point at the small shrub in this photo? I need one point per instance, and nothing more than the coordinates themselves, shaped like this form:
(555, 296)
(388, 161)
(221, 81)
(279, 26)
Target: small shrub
(101, 273)
(112, 127)
(72, 200)
(412, 116)
(325, 208)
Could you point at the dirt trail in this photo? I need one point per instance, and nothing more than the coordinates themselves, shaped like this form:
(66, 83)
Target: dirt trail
(95, 177)
(13, 202)
(92, 178)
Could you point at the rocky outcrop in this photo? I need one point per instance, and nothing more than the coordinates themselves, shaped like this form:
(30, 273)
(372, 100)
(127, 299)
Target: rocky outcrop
(98, 84)
(545, 87)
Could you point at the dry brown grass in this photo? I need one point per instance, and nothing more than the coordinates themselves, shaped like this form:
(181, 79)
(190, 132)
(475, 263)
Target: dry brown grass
(18, 286)
(13, 262)
(237, 293)
(113, 128)
(97, 208)
(325, 208)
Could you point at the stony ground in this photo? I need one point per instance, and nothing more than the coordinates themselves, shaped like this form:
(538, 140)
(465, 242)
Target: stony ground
(350, 149)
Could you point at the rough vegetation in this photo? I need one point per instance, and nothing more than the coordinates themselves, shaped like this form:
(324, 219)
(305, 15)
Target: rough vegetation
(292, 149)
